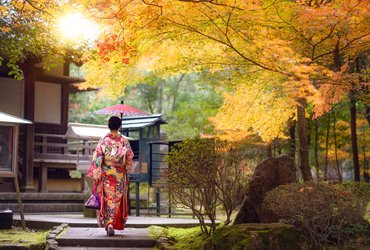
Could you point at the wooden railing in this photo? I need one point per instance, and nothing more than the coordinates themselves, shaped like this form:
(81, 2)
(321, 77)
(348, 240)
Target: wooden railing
(52, 146)
(54, 151)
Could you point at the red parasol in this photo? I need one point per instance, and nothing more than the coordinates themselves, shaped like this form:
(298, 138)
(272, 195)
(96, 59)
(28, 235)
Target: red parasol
(122, 110)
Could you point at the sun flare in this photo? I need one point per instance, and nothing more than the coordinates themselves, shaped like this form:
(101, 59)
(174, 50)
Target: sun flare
(76, 26)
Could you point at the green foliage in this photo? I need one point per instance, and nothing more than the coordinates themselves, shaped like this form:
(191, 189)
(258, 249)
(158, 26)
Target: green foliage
(203, 174)
(323, 212)
(186, 101)
(28, 31)
(190, 178)
(83, 104)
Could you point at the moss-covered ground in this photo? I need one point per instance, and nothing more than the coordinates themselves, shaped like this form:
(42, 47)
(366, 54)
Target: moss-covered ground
(183, 238)
(32, 239)
(245, 236)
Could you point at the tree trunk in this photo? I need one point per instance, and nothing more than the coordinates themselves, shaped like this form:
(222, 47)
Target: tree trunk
(160, 96)
(356, 162)
(367, 114)
(339, 174)
(176, 90)
(327, 149)
(317, 149)
(292, 139)
(269, 150)
(303, 141)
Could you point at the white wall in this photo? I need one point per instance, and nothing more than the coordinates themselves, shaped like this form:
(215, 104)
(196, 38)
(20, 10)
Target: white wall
(48, 102)
(11, 96)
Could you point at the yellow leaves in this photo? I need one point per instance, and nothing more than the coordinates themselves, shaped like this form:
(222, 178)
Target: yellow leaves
(255, 108)
(5, 29)
(4, 11)
(110, 77)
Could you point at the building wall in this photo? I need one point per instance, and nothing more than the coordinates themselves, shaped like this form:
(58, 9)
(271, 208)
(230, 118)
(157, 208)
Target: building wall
(48, 102)
(11, 96)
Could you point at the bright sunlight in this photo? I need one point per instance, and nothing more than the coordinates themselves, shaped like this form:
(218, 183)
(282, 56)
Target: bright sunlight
(77, 27)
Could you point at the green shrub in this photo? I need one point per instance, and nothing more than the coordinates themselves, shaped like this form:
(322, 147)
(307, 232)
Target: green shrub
(323, 212)
(204, 174)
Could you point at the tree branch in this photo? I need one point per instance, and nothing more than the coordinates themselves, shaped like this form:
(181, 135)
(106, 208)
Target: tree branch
(153, 4)
(39, 9)
(213, 2)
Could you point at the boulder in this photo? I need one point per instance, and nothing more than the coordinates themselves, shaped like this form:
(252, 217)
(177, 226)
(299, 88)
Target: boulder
(268, 175)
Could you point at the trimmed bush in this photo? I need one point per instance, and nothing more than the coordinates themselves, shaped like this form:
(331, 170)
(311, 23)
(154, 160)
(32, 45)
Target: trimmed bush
(325, 213)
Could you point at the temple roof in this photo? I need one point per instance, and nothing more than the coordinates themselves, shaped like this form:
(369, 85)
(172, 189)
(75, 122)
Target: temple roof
(142, 121)
(87, 131)
(7, 118)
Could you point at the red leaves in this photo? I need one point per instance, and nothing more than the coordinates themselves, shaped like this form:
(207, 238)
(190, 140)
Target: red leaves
(113, 43)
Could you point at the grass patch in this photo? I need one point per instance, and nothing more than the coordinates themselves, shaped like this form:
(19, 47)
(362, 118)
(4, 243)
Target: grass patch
(183, 238)
(33, 239)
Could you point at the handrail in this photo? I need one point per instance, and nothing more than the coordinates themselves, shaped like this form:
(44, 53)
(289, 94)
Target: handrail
(71, 149)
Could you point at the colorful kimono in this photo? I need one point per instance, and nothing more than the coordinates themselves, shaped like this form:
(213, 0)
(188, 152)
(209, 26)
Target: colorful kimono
(110, 164)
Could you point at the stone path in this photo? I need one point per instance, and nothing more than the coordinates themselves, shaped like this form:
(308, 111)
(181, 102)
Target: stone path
(83, 234)
(96, 238)
(47, 221)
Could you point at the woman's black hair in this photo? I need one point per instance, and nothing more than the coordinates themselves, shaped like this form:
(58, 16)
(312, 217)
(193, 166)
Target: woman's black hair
(114, 123)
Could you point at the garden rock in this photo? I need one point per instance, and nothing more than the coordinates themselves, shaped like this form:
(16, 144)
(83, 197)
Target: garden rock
(268, 175)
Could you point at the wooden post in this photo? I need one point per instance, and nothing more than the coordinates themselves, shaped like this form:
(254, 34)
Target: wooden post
(137, 198)
(158, 200)
(19, 198)
(43, 177)
(30, 75)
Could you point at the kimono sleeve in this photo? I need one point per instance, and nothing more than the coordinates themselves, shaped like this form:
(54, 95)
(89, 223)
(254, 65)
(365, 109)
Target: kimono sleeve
(129, 155)
(96, 163)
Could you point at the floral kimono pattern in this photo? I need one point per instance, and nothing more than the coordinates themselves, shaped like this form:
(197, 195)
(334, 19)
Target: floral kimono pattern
(110, 164)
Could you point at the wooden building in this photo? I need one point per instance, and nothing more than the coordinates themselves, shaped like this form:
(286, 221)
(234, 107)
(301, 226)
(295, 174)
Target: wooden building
(43, 98)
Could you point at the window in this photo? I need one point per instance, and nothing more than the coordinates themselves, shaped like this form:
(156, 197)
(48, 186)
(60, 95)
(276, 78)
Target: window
(6, 147)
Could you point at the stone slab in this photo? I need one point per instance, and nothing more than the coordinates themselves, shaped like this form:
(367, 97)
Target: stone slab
(47, 220)
(97, 237)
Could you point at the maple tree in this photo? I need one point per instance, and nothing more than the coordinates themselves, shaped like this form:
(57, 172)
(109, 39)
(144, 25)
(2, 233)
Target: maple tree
(297, 53)
(331, 34)
(192, 35)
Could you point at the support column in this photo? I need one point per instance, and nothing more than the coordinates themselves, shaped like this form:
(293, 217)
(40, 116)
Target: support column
(29, 71)
(64, 106)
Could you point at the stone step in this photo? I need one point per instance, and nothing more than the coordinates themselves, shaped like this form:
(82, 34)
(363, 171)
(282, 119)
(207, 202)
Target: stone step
(49, 197)
(44, 207)
(44, 202)
(97, 238)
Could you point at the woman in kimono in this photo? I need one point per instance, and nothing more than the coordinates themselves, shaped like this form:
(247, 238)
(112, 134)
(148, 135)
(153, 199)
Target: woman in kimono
(110, 164)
